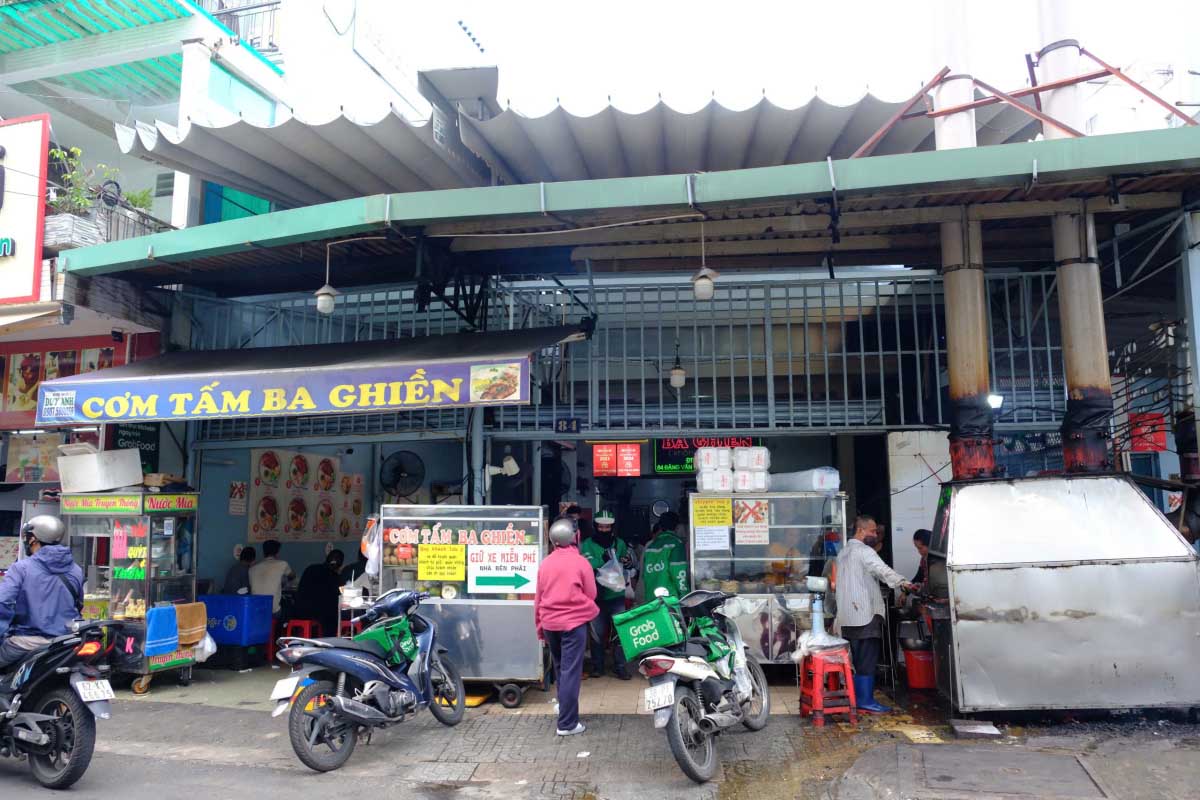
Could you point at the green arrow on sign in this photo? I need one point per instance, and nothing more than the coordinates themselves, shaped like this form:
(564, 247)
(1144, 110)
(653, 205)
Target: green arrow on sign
(515, 581)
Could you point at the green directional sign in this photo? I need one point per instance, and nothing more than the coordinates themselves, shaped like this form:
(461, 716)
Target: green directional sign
(514, 581)
(502, 569)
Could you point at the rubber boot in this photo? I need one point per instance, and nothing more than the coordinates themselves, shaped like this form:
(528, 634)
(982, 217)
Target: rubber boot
(864, 695)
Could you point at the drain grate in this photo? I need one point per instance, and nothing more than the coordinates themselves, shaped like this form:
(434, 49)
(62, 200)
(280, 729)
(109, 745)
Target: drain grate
(986, 773)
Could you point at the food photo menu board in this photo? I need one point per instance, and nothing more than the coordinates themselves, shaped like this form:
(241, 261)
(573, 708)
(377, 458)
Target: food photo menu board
(296, 496)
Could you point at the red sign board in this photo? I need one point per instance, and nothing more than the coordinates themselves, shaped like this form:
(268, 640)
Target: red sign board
(1147, 432)
(629, 460)
(604, 460)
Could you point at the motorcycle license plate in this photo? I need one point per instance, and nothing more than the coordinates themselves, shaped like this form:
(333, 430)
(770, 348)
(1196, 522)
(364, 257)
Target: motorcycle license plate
(94, 691)
(284, 689)
(656, 697)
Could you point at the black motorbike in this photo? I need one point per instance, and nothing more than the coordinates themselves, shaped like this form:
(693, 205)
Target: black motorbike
(344, 688)
(49, 702)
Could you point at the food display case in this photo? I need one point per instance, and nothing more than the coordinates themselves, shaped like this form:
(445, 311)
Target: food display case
(137, 551)
(763, 547)
(479, 564)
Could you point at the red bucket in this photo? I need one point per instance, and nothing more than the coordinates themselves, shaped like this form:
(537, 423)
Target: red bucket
(919, 666)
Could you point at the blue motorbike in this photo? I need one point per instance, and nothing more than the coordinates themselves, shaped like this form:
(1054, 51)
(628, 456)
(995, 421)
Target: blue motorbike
(342, 689)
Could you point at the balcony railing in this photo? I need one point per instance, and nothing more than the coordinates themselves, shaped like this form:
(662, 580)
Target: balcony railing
(254, 22)
(120, 222)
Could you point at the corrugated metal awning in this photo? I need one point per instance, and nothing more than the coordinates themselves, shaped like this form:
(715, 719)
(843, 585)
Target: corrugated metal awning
(299, 163)
(561, 146)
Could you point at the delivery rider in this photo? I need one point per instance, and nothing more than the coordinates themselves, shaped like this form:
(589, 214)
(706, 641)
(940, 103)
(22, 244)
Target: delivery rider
(664, 561)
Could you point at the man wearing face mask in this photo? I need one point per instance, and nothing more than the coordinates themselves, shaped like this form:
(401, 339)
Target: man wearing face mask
(42, 594)
(860, 609)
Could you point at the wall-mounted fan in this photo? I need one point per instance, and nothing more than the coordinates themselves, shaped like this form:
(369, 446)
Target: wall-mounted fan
(402, 473)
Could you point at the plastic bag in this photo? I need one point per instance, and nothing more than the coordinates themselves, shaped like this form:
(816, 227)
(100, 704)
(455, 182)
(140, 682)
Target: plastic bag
(205, 649)
(611, 576)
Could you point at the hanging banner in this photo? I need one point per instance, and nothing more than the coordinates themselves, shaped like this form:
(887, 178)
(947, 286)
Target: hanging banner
(24, 365)
(279, 392)
(33, 458)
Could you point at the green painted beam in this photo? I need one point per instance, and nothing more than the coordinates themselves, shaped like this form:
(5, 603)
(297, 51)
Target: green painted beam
(911, 173)
(343, 218)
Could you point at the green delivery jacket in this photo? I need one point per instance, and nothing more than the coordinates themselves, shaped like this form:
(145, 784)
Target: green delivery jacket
(664, 563)
(595, 554)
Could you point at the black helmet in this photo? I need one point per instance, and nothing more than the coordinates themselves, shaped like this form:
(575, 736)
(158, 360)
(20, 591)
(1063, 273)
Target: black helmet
(45, 528)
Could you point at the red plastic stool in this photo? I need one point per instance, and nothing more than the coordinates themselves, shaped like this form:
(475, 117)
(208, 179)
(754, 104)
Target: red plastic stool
(827, 686)
(349, 628)
(304, 628)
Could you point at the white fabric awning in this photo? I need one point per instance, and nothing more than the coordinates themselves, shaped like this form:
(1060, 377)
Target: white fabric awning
(29, 316)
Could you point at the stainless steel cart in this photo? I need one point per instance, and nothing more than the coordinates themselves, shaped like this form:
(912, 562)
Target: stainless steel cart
(480, 564)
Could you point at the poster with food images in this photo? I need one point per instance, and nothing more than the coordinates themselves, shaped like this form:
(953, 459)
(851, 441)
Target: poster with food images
(350, 506)
(33, 458)
(293, 496)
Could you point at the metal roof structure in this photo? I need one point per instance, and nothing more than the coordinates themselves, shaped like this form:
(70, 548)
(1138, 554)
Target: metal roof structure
(769, 217)
(469, 141)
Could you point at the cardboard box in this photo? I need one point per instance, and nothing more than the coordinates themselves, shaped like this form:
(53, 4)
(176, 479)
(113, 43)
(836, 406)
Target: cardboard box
(161, 479)
(100, 472)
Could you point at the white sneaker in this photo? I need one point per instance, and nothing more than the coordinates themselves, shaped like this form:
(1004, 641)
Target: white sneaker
(579, 728)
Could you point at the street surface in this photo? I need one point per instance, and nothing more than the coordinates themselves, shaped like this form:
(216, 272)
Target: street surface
(216, 740)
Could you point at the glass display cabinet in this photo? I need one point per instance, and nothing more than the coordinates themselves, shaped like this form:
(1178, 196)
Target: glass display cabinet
(763, 547)
(137, 550)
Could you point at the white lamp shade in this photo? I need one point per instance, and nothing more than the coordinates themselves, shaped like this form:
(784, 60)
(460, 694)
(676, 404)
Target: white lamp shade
(326, 297)
(678, 377)
(702, 283)
(995, 400)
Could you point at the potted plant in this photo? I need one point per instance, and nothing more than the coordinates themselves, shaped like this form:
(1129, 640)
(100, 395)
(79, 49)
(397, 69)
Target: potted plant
(73, 222)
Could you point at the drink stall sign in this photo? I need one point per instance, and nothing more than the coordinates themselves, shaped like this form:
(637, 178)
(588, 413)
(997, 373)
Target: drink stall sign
(500, 569)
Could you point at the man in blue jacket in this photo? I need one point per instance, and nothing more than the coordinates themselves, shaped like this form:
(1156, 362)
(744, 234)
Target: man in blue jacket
(41, 595)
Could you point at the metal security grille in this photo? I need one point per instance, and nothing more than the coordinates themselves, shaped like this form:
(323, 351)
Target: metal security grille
(789, 355)
(839, 354)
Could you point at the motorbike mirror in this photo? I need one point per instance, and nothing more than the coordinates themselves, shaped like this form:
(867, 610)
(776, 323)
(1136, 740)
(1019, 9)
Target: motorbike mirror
(662, 591)
(820, 585)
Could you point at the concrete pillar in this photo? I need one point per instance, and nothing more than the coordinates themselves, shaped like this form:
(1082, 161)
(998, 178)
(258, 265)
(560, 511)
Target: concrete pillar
(971, 446)
(1085, 425)
(186, 197)
(1189, 273)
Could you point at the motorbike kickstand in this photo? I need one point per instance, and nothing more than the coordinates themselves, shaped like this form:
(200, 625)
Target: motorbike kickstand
(364, 737)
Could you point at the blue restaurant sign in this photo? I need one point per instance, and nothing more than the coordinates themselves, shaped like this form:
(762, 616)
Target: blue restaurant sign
(394, 375)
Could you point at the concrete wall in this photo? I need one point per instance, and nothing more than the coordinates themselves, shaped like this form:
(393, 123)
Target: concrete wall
(220, 531)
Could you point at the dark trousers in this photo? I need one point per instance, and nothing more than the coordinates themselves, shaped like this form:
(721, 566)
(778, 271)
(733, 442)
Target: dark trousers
(602, 630)
(566, 650)
(865, 654)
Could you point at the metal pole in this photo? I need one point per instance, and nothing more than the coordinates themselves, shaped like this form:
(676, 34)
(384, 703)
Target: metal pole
(536, 466)
(1189, 271)
(477, 465)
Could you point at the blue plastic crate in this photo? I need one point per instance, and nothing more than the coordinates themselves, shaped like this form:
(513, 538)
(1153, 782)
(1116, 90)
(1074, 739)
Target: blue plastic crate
(238, 619)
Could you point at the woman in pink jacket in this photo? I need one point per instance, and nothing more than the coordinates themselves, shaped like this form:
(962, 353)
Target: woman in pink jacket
(562, 608)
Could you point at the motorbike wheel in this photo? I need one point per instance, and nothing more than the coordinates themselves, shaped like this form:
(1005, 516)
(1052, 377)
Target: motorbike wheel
(449, 702)
(321, 740)
(757, 710)
(694, 750)
(72, 740)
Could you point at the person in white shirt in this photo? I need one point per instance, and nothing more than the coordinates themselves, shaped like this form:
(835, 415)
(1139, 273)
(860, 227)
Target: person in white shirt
(860, 609)
(269, 575)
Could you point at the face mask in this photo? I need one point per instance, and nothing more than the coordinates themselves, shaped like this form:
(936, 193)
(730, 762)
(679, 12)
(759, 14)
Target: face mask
(28, 546)
(870, 541)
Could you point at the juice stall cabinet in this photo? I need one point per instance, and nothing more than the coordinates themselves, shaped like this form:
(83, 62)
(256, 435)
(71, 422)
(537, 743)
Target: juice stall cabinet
(479, 564)
(137, 550)
(763, 547)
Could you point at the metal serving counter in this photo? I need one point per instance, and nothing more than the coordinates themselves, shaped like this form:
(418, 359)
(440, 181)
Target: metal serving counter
(763, 547)
(1062, 592)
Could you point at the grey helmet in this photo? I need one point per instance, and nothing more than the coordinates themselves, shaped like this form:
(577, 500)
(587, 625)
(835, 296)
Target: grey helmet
(564, 532)
(46, 529)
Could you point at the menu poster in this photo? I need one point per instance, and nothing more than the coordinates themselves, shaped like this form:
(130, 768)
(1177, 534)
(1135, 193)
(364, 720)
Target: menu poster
(349, 505)
(293, 496)
(33, 458)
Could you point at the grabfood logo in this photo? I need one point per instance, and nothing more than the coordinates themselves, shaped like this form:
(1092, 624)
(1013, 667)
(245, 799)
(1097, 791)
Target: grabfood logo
(645, 634)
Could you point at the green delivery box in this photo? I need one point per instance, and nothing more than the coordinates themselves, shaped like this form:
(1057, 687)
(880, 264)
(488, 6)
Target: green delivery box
(658, 623)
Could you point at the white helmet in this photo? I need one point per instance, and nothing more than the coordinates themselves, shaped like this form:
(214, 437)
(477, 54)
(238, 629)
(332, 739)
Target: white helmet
(45, 528)
(564, 532)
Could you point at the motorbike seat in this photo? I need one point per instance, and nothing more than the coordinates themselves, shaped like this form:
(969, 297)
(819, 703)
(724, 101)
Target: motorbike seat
(349, 644)
(702, 602)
